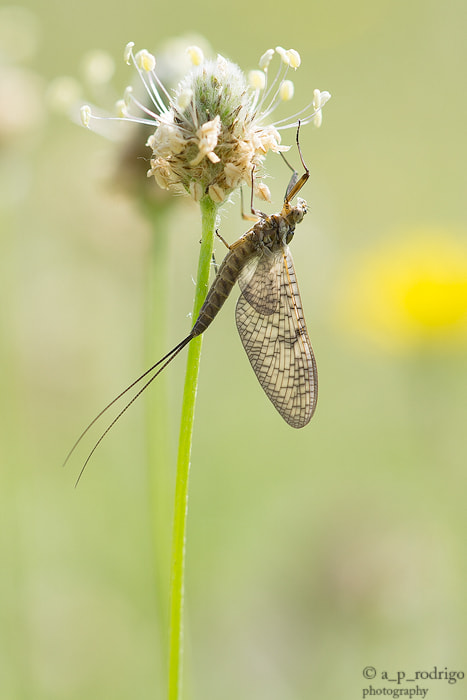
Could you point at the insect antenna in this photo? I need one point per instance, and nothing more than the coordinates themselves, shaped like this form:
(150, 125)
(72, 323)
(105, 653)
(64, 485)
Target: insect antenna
(166, 360)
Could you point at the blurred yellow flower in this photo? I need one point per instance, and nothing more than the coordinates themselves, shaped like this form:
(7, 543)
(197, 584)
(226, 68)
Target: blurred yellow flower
(410, 292)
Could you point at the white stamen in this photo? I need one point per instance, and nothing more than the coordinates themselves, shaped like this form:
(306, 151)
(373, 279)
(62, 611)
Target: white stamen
(316, 99)
(127, 54)
(286, 90)
(291, 122)
(320, 98)
(128, 95)
(196, 55)
(145, 60)
(86, 114)
(257, 79)
(121, 109)
(130, 99)
(283, 54)
(266, 59)
(294, 58)
(275, 99)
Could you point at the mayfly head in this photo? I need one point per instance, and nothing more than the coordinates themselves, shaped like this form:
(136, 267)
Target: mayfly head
(298, 211)
(291, 216)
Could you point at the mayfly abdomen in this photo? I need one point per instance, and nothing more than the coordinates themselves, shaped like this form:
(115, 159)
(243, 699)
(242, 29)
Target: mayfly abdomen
(225, 280)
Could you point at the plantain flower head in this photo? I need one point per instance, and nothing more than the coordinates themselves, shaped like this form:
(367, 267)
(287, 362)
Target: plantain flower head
(212, 133)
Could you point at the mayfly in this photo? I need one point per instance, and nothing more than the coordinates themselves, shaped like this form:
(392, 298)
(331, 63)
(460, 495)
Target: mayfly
(269, 315)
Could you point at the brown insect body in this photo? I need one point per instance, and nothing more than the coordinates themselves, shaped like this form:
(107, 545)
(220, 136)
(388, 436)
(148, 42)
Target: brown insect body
(269, 315)
(270, 233)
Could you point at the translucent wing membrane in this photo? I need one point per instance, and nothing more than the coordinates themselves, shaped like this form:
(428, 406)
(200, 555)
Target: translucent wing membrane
(258, 281)
(276, 340)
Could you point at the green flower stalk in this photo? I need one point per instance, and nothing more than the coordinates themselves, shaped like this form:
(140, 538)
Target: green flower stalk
(210, 135)
(208, 217)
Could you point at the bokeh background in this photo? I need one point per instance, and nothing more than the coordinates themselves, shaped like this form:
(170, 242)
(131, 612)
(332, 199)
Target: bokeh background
(311, 554)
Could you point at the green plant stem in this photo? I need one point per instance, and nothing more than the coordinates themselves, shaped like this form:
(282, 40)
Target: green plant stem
(157, 423)
(208, 218)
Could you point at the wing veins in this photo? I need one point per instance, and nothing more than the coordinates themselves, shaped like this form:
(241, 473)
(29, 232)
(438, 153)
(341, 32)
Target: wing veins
(278, 346)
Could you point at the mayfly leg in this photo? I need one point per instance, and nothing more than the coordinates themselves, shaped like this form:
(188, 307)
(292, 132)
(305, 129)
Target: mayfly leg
(223, 240)
(296, 183)
(255, 213)
(213, 257)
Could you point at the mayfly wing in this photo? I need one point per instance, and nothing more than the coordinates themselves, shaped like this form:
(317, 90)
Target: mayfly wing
(277, 342)
(259, 284)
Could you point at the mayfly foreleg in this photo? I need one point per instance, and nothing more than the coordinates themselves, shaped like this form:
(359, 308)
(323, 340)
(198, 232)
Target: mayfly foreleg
(296, 184)
(293, 179)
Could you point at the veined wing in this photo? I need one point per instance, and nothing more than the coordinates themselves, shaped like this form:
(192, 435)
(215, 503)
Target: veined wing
(259, 281)
(277, 342)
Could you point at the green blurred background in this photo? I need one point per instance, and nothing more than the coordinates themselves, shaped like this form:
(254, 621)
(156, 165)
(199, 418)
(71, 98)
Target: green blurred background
(312, 553)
